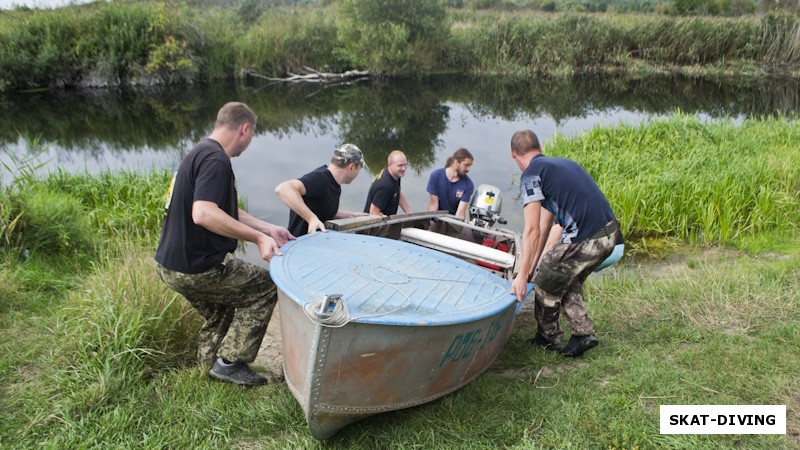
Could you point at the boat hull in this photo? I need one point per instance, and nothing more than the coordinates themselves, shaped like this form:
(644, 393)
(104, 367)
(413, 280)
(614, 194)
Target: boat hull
(340, 375)
(372, 323)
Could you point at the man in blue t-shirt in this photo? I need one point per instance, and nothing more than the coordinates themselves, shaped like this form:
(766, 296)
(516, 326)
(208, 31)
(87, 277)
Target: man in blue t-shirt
(314, 197)
(201, 229)
(449, 187)
(557, 189)
(384, 194)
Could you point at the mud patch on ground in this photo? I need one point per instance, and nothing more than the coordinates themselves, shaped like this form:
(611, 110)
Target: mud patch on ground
(545, 377)
(28, 374)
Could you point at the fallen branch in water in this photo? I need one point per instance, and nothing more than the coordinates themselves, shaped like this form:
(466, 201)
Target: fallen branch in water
(316, 77)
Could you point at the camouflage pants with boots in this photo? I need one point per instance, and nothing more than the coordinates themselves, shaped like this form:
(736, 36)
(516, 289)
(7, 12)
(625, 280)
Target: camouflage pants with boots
(236, 299)
(559, 282)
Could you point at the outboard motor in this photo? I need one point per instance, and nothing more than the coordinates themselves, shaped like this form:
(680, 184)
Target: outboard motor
(484, 207)
(484, 212)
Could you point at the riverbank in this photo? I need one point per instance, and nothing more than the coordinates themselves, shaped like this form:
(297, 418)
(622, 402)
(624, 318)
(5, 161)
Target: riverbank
(147, 43)
(96, 351)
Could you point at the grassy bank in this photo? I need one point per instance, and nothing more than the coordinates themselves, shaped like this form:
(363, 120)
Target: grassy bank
(143, 43)
(97, 352)
(684, 179)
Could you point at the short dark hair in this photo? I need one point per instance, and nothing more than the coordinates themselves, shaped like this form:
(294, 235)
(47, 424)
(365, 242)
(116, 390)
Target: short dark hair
(235, 114)
(524, 141)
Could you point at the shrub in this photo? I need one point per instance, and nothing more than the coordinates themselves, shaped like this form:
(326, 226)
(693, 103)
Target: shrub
(171, 61)
(40, 50)
(383, 35)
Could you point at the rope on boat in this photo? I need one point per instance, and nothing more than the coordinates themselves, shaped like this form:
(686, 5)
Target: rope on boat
(330, 311)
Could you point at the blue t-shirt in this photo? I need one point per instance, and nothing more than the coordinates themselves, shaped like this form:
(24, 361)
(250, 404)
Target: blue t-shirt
(569, 192)
(449, 193)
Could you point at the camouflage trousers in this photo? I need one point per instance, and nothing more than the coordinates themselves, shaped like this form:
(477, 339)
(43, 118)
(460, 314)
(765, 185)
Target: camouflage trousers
(236, 299)
(559, 282)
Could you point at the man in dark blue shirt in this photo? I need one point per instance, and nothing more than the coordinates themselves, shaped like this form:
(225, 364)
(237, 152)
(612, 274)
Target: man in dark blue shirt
(450, 187)
(557, 189)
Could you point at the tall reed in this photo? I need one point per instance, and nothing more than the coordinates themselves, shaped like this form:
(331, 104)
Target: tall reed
(285, 40)
(39, 221)
(525, 43)
(98, 44)
(121, 329)
(706, 182)
(123, 325)
(123, 203)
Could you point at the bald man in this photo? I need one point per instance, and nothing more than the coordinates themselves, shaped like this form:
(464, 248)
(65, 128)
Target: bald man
(385, 195)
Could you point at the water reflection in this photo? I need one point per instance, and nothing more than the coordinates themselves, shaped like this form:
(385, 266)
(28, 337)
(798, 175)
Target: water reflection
(300, 125)
(387, 114)
(563, 99)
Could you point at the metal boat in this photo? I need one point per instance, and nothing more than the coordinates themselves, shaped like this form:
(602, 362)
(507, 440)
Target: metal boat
(372, 322)
(380, 314)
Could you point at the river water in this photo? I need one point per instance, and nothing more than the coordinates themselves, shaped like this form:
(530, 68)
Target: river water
(300, 125)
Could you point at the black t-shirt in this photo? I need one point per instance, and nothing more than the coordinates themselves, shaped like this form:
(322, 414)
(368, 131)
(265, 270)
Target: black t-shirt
(204, 174)
(322, 198)
(384, 193)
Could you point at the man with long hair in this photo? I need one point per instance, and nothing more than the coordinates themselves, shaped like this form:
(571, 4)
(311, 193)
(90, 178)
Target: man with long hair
(450, 187)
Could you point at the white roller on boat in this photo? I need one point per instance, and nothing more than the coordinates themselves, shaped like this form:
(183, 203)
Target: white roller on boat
(457, 247)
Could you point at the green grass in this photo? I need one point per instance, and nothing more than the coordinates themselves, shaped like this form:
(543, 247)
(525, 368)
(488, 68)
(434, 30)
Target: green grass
(95, 351)
(708, 183)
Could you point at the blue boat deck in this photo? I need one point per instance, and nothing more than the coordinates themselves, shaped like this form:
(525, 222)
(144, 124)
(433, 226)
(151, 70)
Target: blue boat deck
(390, 282)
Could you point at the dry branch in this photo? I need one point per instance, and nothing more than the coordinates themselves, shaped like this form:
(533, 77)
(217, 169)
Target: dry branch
(316, 77)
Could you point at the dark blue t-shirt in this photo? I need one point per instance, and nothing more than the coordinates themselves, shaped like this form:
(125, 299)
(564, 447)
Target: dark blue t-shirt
(569, 192)
(449, 193)
(204, 174)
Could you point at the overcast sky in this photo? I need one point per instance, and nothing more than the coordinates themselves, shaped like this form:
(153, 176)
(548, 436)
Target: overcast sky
(9, 4)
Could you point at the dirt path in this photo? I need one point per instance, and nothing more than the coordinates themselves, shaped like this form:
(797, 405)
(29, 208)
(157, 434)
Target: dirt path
(270, 356)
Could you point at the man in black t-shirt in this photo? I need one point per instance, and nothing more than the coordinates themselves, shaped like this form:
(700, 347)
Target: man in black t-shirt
(557, 188)
(314, 197)
(201, 229)
(384, 195)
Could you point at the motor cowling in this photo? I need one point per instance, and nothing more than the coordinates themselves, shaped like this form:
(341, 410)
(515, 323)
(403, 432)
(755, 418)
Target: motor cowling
(485, 206)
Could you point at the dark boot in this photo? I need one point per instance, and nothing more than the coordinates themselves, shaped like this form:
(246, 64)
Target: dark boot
(544, 343)
(579, 344)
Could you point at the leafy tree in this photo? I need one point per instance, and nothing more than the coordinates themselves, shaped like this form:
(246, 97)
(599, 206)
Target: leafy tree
(391, 35)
